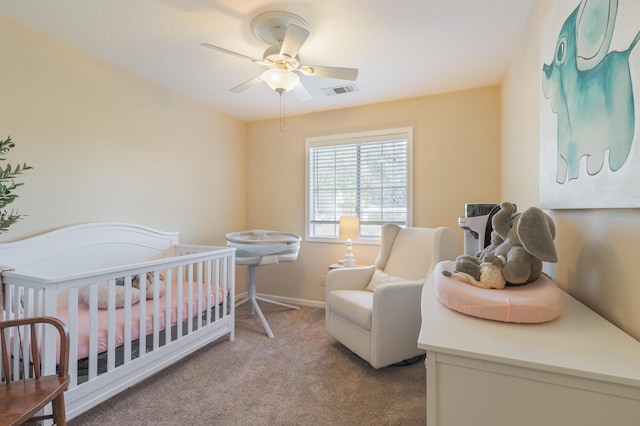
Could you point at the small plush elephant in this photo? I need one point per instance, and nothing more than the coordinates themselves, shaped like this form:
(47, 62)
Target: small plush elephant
(135, 283)
(524, 240)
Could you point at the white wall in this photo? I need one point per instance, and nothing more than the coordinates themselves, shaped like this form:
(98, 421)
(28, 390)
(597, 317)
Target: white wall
(107, 145)
(598, 249)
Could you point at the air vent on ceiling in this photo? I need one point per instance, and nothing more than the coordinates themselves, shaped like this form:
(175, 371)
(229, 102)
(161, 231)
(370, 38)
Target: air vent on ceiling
(340, 90)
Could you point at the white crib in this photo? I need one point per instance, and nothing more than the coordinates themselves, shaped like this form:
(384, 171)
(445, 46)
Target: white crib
(68, 272)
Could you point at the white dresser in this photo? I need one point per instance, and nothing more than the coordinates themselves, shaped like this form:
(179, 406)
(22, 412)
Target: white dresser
(576, 370)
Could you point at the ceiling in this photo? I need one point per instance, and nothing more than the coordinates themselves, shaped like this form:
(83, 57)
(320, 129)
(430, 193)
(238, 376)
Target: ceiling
(402, 48)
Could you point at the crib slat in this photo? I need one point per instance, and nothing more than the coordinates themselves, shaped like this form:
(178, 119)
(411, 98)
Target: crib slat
(225, 284)
(168, 295)
(217, 294)
(190, 299)
(72, 326)
(93, 332)
(27, 305)
(200, 295)
(23, 349)
(15, 344)
(111, 327)
(180, 301)
(128, 294)
(16, 306)
(210, 303)
(47, 336)
(156, 310)
(7, 302)
(142, 319)
(4, 360)
(23, 303)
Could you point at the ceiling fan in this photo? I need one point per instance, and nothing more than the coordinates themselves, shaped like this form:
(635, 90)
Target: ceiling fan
(286, 33)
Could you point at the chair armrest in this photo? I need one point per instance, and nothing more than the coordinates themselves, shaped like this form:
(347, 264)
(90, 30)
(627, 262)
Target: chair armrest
(349, 278)
(397, 296)
(396, 314)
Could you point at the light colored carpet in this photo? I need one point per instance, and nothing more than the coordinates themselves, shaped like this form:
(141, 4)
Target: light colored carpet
(301, 377)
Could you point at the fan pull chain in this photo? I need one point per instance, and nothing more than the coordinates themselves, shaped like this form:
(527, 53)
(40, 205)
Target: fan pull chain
(283, 122)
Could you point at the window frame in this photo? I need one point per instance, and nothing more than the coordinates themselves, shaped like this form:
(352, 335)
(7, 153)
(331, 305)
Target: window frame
(380, 135)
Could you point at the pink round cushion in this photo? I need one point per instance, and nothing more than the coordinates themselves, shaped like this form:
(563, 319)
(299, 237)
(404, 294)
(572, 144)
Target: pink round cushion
(539, 301)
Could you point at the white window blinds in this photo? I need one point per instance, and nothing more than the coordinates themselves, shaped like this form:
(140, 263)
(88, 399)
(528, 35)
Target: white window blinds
(365, 175)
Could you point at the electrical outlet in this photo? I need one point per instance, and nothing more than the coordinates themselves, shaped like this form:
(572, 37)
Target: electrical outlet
(323, 280)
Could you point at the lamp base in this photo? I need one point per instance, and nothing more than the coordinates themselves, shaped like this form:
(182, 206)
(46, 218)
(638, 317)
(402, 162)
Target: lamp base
(349, 261)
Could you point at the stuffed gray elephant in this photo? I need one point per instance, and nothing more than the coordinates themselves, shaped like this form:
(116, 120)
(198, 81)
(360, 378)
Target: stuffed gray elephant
(523, 240)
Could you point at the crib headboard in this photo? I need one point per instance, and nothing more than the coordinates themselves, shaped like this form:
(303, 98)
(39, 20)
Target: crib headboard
(86, 247)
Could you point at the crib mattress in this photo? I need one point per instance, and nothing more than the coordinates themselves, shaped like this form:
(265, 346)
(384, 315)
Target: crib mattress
(103, 317)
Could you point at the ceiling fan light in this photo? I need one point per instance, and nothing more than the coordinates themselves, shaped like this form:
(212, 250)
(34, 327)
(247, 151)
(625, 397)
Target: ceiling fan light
(280, 80)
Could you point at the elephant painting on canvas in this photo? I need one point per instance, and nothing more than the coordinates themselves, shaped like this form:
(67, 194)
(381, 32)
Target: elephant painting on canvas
(590, 91)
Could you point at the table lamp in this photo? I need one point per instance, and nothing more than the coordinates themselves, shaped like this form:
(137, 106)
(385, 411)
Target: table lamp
(349, 228)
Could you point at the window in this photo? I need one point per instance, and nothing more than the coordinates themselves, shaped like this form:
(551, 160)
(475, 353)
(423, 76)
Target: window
(365, 174)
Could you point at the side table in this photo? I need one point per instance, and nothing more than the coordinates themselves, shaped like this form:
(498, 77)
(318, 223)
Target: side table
(339, 265)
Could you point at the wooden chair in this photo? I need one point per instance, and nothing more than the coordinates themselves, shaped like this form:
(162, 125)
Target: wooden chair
(22, 396)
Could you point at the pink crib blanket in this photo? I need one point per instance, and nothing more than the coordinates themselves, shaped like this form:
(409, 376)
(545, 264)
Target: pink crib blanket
(103, 315)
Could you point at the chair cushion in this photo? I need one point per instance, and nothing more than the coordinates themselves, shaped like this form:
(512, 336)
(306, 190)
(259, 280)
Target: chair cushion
(410, 256)
(354, 305)
(380, 277)
(539, 301)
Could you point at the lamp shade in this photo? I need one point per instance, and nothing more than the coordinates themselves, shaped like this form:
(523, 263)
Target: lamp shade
(280, 80)
(349, 226)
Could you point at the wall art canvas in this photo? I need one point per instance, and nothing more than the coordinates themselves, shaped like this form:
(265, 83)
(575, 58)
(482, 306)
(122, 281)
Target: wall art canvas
(590, 105)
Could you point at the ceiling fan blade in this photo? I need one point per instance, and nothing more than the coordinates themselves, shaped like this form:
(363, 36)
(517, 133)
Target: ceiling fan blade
(231, 52)
(301, 92)
(246, 85)
(331, 72)
(293, 40)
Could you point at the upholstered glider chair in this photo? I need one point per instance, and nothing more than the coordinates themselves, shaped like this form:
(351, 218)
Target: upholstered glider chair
(375, 310)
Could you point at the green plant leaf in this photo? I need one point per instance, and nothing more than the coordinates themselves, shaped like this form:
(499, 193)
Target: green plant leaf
(7, 185)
